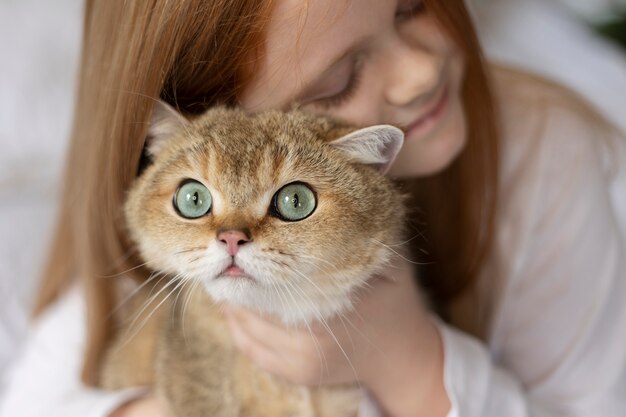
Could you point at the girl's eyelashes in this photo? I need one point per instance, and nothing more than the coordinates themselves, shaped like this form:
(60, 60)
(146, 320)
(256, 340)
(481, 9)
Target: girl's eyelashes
(408, 9)
(347, 92)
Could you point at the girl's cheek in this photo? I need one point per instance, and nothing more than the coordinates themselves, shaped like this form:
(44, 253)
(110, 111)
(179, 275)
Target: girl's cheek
(430, 155)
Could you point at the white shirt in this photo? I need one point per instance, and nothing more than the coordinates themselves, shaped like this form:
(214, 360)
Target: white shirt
(46, 379)
(557, 337)
(556, 344)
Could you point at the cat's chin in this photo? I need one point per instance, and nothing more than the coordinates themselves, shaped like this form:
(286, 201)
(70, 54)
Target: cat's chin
(288, 306)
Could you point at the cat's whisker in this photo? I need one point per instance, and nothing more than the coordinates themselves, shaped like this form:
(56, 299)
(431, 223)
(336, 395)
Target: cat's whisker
(279, 290)
(315, 258)
(180, 282)
(184, 280)
(318, 267)
(195, 248)
(125, 256)
(358, 329)
(196, 259)
(194, 284)
(396, 252)
(153, 297)
(183, 314)
(299, 256)
(360, 332)
(341, 316)
(323, 321)
(129, 336)
(314, 308)
(318, 289)
(123, 272)
(150, 300)
(310, 281)
(318, 348)
(128, 297)
(343, 351)
(417, 234)
(158, 283)
(366, 285)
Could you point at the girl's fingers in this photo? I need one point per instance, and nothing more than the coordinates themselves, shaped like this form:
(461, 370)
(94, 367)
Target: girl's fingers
(265, 331)
(287, 353)
(255, 349)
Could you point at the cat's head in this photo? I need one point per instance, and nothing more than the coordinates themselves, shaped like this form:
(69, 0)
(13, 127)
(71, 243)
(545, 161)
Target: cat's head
(283, 213)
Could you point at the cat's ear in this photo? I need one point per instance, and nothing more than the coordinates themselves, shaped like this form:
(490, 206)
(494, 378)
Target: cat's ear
(164, 123)
(375, 145)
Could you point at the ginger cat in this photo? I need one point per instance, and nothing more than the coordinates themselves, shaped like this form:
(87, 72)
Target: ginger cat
(286, 214)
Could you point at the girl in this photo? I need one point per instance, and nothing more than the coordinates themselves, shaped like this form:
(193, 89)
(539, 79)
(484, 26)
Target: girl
(518, 185)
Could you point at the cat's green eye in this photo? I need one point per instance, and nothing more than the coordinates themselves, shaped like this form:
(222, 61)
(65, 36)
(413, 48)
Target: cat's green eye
(192, 200)
(294, 202)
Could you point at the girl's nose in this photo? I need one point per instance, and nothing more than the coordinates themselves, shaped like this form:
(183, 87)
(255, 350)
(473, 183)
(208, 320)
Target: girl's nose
(413, 73)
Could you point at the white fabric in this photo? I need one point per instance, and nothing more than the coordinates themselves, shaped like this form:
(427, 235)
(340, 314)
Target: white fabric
(45, 381)
(557, 340)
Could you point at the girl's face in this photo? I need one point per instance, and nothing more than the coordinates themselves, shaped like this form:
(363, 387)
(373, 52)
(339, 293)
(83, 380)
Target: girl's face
(367, 62)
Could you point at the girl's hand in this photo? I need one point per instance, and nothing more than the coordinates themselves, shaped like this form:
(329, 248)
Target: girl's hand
(388, 344)
(149, 406)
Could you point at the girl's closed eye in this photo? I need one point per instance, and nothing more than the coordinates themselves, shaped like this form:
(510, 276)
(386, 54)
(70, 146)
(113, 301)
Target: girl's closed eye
(408, 9)
(349, 83)
(338, 88)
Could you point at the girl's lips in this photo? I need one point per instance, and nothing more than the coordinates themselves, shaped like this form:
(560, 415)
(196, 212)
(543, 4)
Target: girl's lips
(425, 123)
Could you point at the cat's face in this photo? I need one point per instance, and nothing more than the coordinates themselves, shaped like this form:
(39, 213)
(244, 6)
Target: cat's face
(264, 212)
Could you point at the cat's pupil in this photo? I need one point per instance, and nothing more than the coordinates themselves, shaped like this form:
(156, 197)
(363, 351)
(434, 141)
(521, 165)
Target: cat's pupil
(294, 202)
(192, 200)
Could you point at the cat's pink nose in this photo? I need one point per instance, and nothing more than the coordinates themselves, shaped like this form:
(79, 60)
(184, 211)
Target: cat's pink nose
(233, 240)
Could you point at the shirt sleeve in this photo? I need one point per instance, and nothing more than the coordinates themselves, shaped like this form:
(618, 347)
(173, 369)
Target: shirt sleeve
(45, 380)
(557, 342)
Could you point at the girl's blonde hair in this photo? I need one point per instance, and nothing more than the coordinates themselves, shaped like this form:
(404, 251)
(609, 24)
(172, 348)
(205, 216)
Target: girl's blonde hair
(195, 54)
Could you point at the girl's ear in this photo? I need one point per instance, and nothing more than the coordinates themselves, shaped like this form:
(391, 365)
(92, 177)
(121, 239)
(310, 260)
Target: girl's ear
(165, 123)
(377, 146)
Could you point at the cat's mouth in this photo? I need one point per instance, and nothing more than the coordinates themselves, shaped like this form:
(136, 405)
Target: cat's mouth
(235, 271)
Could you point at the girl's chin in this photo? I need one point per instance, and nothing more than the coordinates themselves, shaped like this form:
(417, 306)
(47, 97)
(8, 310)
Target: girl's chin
(425, 156)
(442, 154)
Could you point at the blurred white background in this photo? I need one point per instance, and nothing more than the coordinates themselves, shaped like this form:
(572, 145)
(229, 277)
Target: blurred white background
(39, 43)
(594, 10)
(554, 38)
